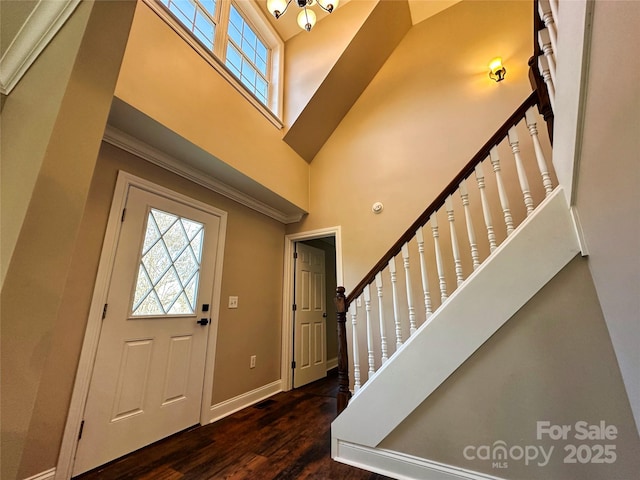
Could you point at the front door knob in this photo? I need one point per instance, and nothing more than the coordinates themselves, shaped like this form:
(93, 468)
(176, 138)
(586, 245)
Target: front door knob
(203, 321)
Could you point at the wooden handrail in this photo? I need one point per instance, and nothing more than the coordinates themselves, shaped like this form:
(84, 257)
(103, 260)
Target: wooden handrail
(468, 169)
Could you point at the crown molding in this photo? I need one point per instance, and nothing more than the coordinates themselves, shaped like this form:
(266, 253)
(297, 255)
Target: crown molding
(141, 149)
(46, 19)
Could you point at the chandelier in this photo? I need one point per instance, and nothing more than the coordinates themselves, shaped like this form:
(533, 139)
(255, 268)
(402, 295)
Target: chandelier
(306, 17)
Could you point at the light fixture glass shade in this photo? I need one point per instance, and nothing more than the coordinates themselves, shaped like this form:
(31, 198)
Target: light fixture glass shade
(306, 19)
(276, 7)
(328, 5)
(495, 65)
(497, 70)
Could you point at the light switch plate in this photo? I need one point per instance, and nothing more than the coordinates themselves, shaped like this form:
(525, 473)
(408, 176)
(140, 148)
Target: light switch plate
(233, 302)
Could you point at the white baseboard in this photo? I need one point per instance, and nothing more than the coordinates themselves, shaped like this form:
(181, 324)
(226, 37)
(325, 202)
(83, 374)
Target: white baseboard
(46, 475)
(401, 466)
(226, 408)
(332, 363)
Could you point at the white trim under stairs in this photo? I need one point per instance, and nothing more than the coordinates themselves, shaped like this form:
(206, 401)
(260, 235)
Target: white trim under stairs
(402, 466)
(536, 251)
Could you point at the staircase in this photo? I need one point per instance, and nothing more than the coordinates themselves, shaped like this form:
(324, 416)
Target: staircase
(485, 246)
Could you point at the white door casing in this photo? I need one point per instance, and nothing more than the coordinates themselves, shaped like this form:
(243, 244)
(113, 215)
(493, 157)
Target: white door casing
(310, 346)
(149, 370)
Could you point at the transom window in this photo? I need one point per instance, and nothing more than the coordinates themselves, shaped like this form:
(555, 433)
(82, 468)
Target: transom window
(198, 16)
(247, 55)
(239, 37)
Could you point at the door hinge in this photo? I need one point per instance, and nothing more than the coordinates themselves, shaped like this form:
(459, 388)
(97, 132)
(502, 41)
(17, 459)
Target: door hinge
(81, 429)
(104, 311)
(295, 254)
(124, 211)
(293, 364)
(295, 307)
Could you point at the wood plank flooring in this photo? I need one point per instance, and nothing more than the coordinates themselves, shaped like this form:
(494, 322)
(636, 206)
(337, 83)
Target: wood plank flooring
(285, 438)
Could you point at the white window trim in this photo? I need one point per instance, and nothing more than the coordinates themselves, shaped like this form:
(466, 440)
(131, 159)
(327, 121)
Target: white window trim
(252, 14)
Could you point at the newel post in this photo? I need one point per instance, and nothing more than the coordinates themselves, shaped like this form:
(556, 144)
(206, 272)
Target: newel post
(343, 363)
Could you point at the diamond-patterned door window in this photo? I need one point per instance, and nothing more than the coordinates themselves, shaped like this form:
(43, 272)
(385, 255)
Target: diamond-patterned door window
(167, 282)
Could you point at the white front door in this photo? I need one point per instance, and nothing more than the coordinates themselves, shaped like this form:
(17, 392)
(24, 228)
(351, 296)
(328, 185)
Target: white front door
(148, 374)
(310, 345)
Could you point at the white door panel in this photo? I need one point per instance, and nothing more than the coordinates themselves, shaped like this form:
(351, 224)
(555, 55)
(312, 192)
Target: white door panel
(310, 320)
(148, 373)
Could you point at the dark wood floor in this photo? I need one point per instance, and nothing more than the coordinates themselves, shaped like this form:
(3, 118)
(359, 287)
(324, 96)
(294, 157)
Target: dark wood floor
(288, 437)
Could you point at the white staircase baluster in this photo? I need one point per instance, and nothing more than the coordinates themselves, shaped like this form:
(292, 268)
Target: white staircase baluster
(543, 66)
(554, 5)
(486, 212)
(436, 244)
(356, 357)
(545, 45)
(423, 272)
(383, 328)
(530, 118)
(367, 307)
(502, 193)
(464, 195)
(396, 310)
(412, 311)
(514, 142)
(547, 17)
(448, 205)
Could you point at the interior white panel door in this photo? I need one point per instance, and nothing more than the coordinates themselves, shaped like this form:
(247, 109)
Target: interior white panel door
(310, 347)
(148, 373)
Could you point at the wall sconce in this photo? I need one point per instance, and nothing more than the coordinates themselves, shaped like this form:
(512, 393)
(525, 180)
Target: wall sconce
(497, 70)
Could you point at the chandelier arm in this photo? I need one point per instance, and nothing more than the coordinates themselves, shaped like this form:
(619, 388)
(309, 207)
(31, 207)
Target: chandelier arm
(329, 8)
(308, 25)
(283, 11)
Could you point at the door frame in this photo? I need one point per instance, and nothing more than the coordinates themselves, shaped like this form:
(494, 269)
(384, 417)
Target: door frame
(94, 321)
(287, 292)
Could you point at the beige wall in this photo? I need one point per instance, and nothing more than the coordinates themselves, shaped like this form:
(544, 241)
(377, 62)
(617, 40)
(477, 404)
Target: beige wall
(33, 288)
(13, 16)
(28, 118)
(163, 77)
(330, 39)
(607, 194)
(553, 361)
(352, 71)
(426, 113)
